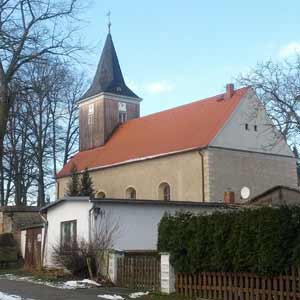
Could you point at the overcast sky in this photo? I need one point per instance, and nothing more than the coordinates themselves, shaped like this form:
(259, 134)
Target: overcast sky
(175, 52)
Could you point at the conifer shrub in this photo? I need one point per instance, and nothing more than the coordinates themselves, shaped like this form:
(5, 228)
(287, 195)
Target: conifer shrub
(264, 241)
(86, 184)
(80, 184)
(73, 186)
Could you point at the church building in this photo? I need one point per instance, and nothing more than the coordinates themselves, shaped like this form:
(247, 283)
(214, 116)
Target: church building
(195, 152)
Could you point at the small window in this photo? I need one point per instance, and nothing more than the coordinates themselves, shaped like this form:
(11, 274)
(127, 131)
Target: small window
(68, 234)
(122, 106)
(131, 193)
(90, 119)
(122, 117)
(101, 195)
(255, 127)
(164, 191)
(91, 114)
(246, 126)
(91, 109)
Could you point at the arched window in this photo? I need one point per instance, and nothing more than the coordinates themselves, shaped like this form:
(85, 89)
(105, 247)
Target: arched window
(131, 193)
(101, 195)
(164, 191)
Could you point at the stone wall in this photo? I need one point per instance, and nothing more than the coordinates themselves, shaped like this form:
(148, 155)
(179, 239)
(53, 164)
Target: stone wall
(232, 170)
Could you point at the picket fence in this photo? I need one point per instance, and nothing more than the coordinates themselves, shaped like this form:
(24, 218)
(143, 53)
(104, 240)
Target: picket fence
(239, 286)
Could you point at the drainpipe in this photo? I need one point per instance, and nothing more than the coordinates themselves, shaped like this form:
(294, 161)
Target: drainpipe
(203, 177)
(44, 237)
(90, 220)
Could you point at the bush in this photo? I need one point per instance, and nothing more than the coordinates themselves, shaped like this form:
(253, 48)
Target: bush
(265, 241)
(75, 258)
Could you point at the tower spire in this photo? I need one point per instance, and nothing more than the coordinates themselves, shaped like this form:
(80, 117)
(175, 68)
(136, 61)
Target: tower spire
(109, 77)
(108, 19)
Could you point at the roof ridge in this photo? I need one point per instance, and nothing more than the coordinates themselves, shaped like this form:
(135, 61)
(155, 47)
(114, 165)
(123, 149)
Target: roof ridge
(216, 97)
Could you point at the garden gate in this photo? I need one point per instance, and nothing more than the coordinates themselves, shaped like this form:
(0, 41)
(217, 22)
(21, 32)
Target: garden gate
(140, 272)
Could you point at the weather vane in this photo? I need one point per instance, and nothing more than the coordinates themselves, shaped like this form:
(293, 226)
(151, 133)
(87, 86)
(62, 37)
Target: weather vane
(109, 22)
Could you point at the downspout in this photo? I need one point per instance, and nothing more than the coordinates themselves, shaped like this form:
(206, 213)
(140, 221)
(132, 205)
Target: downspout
(203, 177)
(44, 237)
(90, 220)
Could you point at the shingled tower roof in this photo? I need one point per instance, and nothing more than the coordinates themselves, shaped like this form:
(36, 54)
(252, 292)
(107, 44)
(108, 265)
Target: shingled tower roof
(109, 77)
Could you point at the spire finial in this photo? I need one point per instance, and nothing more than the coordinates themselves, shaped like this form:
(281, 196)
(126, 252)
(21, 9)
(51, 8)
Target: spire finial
(109, 22)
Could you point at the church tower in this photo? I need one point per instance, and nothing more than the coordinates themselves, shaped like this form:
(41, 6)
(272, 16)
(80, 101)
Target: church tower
(107, 103)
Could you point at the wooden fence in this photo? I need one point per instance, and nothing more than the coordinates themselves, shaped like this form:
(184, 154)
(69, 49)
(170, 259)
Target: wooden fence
(139, 272)
(239, 286)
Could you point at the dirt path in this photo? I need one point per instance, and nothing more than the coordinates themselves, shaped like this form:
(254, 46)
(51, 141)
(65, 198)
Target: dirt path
(27, 290)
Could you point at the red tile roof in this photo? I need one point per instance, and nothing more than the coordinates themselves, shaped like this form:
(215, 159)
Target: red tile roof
(183, 128)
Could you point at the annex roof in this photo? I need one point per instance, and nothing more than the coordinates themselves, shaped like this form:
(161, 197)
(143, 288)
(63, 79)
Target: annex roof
(184, 128)
(136, 202)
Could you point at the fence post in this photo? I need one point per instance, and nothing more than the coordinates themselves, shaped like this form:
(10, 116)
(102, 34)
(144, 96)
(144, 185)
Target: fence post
(167, 277)
(113, 265)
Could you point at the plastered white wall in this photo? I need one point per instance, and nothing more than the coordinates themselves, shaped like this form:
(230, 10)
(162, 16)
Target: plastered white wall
(138, 223)
(266, 139)
(65, 211)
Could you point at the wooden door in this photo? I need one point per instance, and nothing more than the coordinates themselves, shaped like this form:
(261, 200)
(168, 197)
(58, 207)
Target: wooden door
(33, 248)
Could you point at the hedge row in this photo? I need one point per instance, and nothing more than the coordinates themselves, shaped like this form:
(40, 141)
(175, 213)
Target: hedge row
(265, 241)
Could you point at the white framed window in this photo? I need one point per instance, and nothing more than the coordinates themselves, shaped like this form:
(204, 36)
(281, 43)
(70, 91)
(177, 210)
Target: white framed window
(68, 234)
(122, 106)
(91, 109)
(91, 114)
(90, 119)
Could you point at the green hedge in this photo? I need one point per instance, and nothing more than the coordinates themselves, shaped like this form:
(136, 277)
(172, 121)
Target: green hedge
(265, 241)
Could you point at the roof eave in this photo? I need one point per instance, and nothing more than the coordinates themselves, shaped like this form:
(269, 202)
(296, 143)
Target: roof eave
(140, 159)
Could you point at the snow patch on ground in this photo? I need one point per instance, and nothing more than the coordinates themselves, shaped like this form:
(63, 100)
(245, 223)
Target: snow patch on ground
(81, 284)
(111, 297)
(72, 284)
(4, 296)
(138, 294)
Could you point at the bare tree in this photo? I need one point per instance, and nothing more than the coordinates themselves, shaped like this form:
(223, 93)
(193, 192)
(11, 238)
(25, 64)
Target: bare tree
(104, 233)
(29, 30)
(42, 129)
(278, 86)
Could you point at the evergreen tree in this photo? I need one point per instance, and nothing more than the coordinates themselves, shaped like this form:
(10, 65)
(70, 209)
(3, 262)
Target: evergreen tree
(73, 187)
(86, 186)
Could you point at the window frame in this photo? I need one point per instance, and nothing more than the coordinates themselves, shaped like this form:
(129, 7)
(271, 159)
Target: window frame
(131, 193)
(103, 194)
(64, 246)
(163, 194)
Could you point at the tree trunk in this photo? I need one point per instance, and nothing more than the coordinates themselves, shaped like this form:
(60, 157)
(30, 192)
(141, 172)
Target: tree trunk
(41, 187)
(4, 110)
